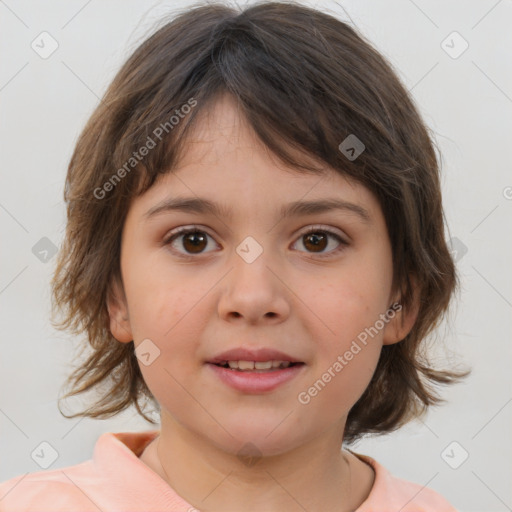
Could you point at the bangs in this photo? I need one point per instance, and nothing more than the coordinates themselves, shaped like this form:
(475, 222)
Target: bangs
(168, 152)
(300, 111)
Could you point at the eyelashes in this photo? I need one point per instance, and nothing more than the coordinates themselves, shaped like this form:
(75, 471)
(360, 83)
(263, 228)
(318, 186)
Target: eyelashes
(194, 239)
(323, 240)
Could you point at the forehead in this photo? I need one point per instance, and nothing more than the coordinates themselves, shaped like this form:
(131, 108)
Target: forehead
(224, 168)
(221, 130)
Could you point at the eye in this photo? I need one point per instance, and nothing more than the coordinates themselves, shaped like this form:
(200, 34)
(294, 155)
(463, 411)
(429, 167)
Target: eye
(316, 240)
(191, 240)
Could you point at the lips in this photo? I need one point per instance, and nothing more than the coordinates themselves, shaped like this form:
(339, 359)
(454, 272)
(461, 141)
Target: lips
(256, 355)
(255, 381)
(244, 369)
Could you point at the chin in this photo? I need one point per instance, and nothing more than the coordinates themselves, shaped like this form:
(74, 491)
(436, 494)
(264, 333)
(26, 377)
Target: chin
(260, 438)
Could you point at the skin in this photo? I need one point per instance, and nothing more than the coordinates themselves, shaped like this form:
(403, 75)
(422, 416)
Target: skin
(309, 304)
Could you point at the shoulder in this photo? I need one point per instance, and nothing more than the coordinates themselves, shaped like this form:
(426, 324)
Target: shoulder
(113, 479)
(390, 493)
(47, 491)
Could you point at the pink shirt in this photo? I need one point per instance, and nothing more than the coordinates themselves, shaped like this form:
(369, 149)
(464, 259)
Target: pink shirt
(116, 480)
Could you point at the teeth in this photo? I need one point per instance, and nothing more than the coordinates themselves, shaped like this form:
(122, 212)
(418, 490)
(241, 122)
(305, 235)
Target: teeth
(259, 365)
(266, 365)
(245, 365)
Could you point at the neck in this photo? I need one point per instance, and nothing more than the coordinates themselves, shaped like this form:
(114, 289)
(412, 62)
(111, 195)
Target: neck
(313, 476)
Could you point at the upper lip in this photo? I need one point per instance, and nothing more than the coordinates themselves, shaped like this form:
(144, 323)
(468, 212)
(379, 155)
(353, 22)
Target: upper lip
(257, 355)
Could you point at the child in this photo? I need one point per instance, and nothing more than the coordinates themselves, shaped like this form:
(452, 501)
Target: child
(284, 149)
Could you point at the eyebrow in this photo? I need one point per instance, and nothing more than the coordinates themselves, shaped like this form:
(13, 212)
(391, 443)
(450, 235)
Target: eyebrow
(298, 208)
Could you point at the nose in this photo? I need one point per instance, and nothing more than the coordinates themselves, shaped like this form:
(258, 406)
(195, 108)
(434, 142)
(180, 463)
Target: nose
(254, 292)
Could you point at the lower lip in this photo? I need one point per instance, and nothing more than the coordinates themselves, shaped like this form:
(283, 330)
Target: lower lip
(255, 382)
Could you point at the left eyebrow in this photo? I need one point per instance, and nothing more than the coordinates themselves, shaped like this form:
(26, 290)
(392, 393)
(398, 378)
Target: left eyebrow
(298, 208)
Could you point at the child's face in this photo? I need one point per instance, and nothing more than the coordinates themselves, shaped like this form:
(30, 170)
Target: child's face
(198, 297)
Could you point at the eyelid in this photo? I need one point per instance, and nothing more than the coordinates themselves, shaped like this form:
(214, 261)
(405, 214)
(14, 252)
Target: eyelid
(303, 231)
(344, 240)
(323, 227)
(185, 229)
(188, 227)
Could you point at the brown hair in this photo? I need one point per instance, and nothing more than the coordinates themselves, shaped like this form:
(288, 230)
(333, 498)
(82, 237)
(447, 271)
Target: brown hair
(305, 81)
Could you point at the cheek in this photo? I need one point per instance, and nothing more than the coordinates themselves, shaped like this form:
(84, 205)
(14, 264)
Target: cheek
(339, 385)
(351, 301)
(347, 332)
(347, 352)
(162, 297)
(173, 317)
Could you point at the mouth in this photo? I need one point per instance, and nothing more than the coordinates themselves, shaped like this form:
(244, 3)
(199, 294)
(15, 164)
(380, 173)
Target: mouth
(255, 377)
(256, 366)
(263, 358)
(254, 370)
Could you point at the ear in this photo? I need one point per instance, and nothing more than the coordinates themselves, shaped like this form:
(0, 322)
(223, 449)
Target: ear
(118, 312)
(401, 319)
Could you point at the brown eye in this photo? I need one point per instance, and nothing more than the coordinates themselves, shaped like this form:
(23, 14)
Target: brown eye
(316, 242)
(188, 241)
(194, 242)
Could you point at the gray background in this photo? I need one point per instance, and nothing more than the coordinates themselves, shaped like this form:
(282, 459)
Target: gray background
(466, 99)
